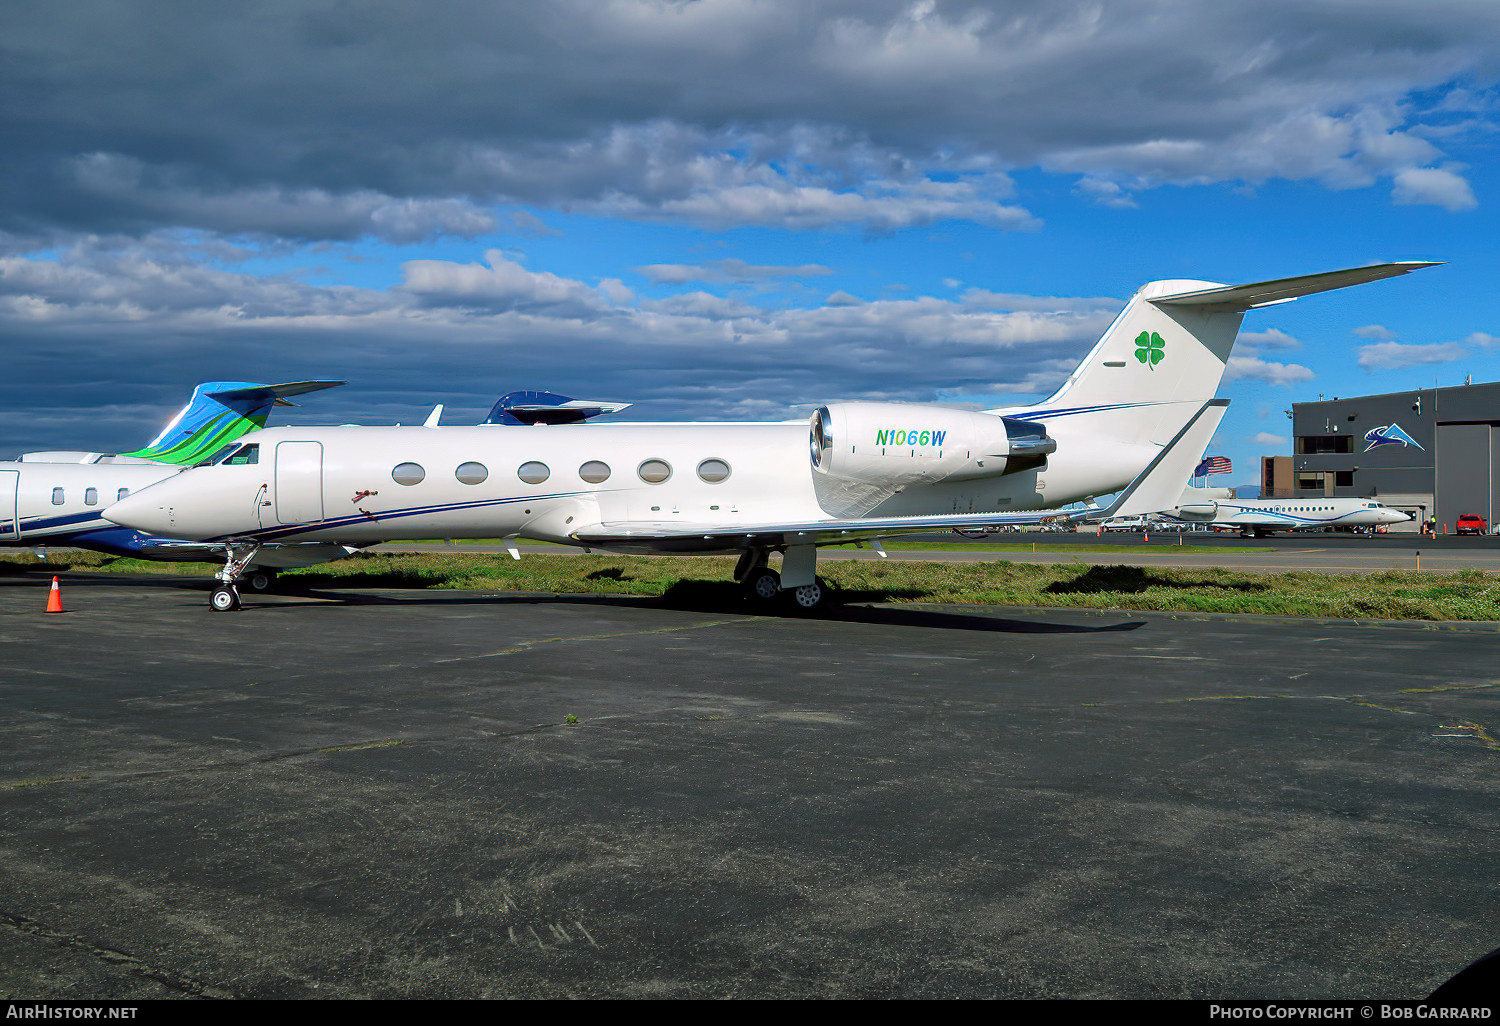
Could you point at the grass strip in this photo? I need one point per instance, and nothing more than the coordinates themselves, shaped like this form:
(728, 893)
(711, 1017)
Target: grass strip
(956, 545)
(1388, 595)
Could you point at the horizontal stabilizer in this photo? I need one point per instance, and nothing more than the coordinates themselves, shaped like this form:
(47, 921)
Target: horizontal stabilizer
(531, 407)
(1265, 293)
(277, 392)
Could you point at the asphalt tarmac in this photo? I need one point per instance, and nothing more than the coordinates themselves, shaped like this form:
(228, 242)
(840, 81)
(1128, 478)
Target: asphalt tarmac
(379, 793)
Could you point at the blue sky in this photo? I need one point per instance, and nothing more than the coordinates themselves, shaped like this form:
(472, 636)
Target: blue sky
(726, 209)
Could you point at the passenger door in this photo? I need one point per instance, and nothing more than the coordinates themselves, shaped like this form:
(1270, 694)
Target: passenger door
(299, 482)
(10, 481)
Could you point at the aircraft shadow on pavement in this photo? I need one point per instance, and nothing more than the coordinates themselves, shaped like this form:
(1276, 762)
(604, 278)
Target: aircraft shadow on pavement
(1134, 579)
(853, 606)
(726, 598)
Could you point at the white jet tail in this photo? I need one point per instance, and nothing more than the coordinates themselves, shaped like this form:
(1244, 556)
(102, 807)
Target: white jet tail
(1164, 356)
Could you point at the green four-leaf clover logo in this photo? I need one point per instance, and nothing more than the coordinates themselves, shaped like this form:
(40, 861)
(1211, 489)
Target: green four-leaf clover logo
(1150, 349)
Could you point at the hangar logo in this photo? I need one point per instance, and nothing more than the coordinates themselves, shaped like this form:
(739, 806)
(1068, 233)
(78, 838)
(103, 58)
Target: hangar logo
(1388, 434)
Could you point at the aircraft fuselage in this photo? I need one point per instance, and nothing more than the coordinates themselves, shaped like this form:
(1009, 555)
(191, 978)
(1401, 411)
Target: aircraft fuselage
(359, 486)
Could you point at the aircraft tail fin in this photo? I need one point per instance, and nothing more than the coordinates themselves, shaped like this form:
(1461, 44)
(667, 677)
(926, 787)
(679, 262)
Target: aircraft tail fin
(218, 413)
(1165, 354)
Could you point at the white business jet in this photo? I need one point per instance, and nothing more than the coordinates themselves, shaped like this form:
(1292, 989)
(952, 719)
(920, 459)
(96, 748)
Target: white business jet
(57, 498)
(1135, 415)
(1262, 517)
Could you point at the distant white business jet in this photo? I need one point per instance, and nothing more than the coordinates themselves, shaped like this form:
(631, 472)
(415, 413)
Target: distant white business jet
(1262, 517)
(1135, 415)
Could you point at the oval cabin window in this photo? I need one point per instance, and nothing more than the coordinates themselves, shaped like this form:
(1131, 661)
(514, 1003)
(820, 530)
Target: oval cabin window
(713, 471)
(655, 471)
(471, 473)
(594, 472)
(533, 472)
(408, 473)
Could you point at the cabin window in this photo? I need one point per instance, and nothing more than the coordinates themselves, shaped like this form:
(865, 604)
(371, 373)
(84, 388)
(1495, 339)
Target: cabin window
(244, 456)
(472, 473)
(533, 472)
(713, 471)
(57, 496)
(121, 496)
(654, 471)
(91, 496)
(594, 472)
(408, 473)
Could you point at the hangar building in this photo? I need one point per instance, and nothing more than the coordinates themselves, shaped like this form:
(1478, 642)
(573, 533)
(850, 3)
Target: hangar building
(1433, 452)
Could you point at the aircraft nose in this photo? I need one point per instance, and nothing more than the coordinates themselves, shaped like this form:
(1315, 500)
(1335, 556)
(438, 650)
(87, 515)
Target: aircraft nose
(149, 510)
(1395, 516)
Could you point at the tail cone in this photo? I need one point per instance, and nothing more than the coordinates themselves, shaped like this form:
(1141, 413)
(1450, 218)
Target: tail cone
(54, 598)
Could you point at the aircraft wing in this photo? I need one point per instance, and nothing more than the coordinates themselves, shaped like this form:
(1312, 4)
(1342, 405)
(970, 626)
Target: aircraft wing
(274, 554)
(678, 536)
(1157, 488)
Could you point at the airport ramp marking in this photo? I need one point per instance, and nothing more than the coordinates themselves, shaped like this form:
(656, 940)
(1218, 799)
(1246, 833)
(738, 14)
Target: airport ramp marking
(1450, 687)
(1467, 728)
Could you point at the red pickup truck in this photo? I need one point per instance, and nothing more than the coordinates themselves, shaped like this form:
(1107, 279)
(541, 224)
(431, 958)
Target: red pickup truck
(1469, 523)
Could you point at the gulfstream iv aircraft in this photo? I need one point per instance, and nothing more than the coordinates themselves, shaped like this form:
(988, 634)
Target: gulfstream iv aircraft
(1135, 415)
(58, 497)
(1261, 517)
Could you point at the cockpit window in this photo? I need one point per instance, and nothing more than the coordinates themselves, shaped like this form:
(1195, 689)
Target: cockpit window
(216, 457)
(233, 456)
(244, 456)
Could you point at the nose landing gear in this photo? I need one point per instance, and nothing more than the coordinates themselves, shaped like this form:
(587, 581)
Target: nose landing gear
(238, 555)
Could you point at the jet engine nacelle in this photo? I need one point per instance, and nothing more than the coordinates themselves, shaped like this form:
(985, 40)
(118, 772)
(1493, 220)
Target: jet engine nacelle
(1199, 509)
(896, 444)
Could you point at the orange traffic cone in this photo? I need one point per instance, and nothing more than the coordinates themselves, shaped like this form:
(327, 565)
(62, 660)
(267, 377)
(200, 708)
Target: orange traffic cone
(54, 598)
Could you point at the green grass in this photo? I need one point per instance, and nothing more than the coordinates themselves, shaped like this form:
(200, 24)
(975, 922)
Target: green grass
(959, 545)
(705, 582)
(956, 545)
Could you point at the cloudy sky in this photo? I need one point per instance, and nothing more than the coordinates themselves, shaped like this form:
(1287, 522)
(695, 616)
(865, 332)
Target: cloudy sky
(725, 209)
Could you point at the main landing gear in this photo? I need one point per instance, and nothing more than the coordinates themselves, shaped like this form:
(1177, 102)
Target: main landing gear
(238, 556)
(261, 579)
(800, 589)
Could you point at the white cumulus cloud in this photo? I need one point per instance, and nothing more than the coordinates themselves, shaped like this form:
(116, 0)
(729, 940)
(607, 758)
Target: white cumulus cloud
(1396, 355)
(1439, 187)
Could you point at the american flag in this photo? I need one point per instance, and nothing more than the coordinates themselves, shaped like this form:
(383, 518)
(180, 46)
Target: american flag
(1214, 465)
